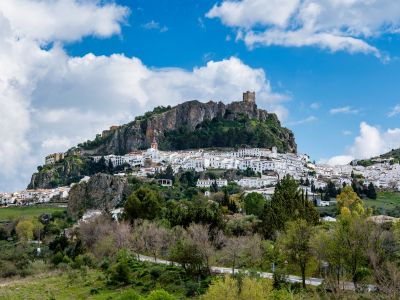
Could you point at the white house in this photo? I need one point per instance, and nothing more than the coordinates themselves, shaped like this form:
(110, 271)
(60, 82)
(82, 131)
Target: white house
(206, 183)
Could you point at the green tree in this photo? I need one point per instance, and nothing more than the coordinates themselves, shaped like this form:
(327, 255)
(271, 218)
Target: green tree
(254, 204)
(110, 167)
(295, 243)
(233, 188)
(349, 202)
(331, 190)
(144, 203)
(371, 193)
(160, 295)
(346, 245)
(24, 230)
(287, 204)
(214, 187)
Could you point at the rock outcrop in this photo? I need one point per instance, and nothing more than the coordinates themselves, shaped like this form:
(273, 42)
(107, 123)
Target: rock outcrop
(71, 169)
(139, 133)
(101, 191)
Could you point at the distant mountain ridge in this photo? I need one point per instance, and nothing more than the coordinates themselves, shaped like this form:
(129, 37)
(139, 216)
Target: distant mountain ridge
(393, 155)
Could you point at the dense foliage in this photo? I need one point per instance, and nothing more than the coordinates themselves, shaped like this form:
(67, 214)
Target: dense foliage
(223, 132)
(228, 228)
(287, 204)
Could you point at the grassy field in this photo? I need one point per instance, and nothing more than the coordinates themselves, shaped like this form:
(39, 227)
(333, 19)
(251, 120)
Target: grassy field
(61, 285)
(10, 213)
(386, 203)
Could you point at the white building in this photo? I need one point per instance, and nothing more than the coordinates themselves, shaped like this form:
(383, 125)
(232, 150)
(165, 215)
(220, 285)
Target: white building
(206, 183)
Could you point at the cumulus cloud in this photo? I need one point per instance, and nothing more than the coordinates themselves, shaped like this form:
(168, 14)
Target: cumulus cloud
(63, 20)
(370, 142)
(329, 24)
(344, 110)
(51, 101)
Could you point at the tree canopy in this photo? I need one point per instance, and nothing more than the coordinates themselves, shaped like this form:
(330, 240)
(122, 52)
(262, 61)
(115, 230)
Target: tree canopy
(287, 204)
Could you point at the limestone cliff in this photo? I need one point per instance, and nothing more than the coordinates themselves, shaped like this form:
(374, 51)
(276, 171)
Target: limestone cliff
(102, 191)
(189, 115)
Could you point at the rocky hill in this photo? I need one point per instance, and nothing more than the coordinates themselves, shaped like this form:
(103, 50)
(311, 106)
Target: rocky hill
(186, 119)
(189, 125)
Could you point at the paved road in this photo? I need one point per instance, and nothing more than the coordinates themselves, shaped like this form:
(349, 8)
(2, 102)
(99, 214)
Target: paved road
(223, 270)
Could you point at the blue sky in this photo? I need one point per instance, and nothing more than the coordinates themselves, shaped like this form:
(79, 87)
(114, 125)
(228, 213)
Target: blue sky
(307, 74)
(329, 69)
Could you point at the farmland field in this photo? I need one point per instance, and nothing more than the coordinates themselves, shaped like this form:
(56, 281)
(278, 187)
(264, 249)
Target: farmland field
(386, 203)
(65, 285)
(14, 212)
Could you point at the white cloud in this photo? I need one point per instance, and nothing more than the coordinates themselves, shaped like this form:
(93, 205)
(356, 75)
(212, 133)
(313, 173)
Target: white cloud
(153, 25)
(62, 20)
(344, 110)
(248, 13)
(338, 160)
(50, 101)
(329, 24)
(370, 142)
(395, 111)
(309, 119)
(55, 143)
(315, 105)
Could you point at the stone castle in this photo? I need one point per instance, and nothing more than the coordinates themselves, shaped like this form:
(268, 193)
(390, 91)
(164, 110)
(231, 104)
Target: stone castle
(249, 97)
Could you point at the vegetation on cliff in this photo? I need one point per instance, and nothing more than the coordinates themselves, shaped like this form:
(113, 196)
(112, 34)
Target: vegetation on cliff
(222, 132)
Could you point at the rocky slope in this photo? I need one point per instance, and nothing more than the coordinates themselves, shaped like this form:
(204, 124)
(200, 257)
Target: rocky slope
(102, 191)
(139, 133)
(69, 170)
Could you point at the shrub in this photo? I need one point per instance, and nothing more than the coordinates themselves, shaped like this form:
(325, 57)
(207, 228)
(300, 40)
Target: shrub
(160, 295)
(120, 273)
(129, 295)
(57, 258)
(8, 269)
(84, 260)
(155, 273)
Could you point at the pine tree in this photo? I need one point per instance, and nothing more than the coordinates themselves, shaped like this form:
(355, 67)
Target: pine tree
(287, 204)
(214, 187)
(110, 167)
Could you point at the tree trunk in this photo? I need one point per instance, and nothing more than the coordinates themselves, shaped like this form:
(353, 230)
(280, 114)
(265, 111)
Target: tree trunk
(303, 276)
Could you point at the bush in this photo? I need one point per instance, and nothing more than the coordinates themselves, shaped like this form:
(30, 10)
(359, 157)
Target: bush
(57, 258)
(8, 269)
(129, 295)
(192, 289)
(155, 273)
(94, 291)
(84, 260)
(160, 295)
(120, 273)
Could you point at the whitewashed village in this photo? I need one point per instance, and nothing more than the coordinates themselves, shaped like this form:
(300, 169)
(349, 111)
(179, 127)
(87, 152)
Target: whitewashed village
(268, 165)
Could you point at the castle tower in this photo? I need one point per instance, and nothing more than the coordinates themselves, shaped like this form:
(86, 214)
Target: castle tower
(154, 144)
(249, 97)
